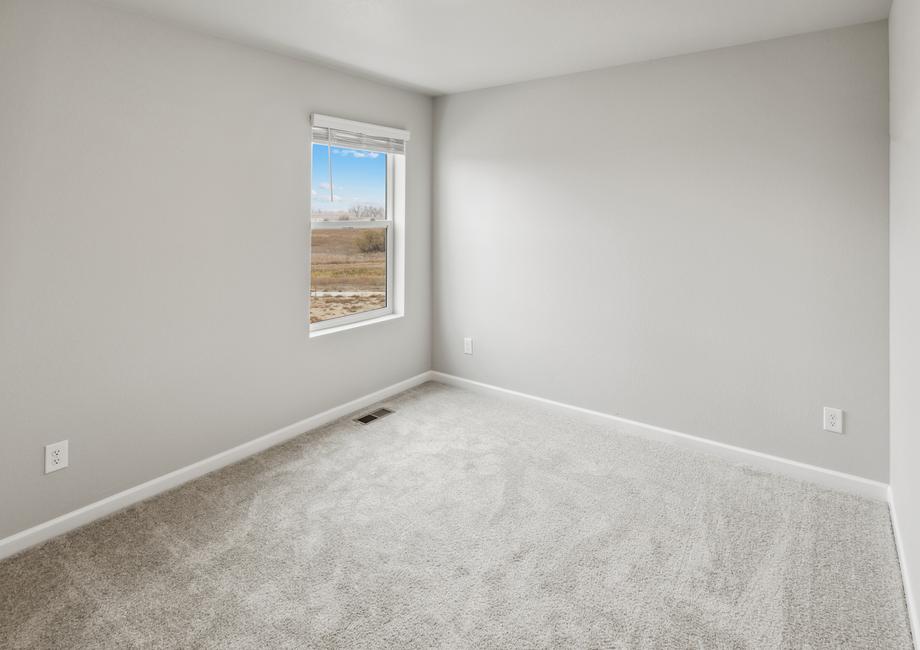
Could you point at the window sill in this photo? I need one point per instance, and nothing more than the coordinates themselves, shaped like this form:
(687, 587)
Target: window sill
(351, 326)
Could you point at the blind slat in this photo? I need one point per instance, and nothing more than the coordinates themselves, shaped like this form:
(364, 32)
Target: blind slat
(339, 138)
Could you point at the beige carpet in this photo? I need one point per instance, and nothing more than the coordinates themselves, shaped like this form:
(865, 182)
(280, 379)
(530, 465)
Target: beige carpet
(462, 521)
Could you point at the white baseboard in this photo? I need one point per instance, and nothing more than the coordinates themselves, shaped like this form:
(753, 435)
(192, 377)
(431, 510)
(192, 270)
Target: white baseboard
(59, 525)
(825, 477)
(912, 613)
(42, 532)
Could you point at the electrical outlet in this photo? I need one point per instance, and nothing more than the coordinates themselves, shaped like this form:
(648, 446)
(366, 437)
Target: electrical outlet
(467, 345)
(56, 456)
(833, 420)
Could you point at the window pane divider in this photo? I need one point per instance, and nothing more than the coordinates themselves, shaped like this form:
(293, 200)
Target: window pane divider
(346, 225)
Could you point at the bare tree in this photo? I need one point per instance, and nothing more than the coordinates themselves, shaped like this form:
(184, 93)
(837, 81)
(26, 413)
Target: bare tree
(365, 212)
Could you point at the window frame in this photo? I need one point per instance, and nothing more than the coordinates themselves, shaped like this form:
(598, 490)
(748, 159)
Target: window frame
(392, 226)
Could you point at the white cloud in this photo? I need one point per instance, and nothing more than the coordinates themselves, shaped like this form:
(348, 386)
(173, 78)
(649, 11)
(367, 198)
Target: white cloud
(357, 153)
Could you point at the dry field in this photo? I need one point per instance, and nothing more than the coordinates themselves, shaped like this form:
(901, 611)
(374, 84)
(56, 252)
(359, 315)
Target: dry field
(347, 262)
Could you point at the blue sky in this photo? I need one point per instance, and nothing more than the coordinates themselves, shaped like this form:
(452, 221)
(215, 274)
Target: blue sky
(358, 177)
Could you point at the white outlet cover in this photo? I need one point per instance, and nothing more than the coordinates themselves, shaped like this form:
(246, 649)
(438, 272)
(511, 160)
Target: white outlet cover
(468, 345)
(56, 456)
(833, 420)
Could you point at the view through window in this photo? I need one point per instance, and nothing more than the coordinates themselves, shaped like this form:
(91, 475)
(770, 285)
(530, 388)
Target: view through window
(351, 234)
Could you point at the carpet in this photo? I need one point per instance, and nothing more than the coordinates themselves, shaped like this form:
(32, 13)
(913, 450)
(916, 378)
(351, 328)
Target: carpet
(467, 520)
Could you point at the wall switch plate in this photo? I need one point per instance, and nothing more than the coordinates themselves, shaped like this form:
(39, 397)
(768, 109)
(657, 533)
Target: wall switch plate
(467, 345)
(56, 456)
(833, 420)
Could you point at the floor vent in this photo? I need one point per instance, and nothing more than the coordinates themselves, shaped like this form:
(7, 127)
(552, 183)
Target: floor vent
(374, 415)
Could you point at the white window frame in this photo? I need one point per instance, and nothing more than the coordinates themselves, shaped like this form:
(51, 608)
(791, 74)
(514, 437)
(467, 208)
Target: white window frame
(392, 223)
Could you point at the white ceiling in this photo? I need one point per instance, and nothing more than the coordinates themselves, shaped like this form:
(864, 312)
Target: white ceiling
(445, 46)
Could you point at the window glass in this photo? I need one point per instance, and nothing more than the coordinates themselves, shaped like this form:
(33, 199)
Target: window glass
(348, 272)
(348, 263)
(358, 185)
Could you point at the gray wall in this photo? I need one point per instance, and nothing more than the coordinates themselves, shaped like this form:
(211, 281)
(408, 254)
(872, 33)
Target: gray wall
(698, 243)
(154, 201)
(905, 282)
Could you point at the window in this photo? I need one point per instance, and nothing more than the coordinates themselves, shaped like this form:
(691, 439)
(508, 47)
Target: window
(357, 199)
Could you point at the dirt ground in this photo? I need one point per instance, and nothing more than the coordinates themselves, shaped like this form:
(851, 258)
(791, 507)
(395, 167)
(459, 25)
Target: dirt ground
(326, 307)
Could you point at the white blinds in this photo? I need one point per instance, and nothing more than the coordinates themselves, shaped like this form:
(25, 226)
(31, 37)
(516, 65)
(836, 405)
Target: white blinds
(322, 135)
(359, 135)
